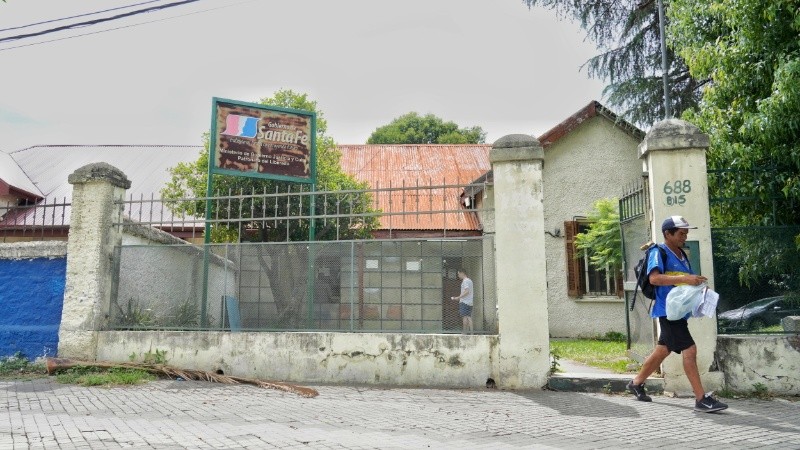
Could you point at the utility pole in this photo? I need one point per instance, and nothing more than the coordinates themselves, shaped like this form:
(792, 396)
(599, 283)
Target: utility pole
(664, 65)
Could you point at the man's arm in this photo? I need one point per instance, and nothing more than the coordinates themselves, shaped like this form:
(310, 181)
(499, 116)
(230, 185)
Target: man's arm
(659, 279)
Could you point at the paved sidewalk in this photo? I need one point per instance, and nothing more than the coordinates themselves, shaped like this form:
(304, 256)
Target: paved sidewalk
(42, 414)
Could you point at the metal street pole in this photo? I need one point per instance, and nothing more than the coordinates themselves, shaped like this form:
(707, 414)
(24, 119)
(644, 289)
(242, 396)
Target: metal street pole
(664, 65)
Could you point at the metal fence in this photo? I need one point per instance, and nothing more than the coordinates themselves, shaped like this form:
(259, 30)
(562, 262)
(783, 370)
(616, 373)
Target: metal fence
(635, 231)
(394, 285)
(44, 220)
(303, 260)
(756, 254)
(757, 275)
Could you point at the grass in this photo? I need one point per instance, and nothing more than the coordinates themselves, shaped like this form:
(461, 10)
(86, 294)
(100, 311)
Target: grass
(18, 367)
(93, 376)
(600, 353)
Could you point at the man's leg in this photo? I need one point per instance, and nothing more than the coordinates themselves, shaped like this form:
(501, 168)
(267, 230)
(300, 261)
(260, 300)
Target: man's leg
(691, 371)
(636, 386)
(652, 363)
(469, 323)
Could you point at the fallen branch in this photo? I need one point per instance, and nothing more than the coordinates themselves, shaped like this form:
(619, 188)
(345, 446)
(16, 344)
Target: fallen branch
(55, 365)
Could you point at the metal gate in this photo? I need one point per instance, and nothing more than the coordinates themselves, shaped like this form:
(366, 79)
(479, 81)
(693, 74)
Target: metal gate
(634, 209)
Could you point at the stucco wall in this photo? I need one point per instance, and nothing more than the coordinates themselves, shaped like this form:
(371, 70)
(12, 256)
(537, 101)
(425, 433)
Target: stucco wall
(592, 162)
(161, 273)
(771, 361)
(344, 358)
(32, 276)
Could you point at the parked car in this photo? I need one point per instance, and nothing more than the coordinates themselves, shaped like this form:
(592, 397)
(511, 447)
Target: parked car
(759, 314)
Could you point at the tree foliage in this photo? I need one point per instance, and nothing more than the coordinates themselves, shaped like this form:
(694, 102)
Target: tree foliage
(628, 37)
(602, 242)
(750, 51)
(242, 206)
(189, 181)
(412, 128)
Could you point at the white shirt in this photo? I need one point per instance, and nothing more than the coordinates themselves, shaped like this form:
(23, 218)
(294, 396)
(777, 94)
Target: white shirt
(466, 287)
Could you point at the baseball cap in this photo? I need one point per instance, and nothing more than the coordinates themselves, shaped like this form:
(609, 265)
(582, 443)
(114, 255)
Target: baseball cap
(675, 222)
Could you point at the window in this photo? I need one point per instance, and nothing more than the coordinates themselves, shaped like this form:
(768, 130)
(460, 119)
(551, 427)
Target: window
(582, 278)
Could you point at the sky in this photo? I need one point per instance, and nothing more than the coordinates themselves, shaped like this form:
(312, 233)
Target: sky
(150, 78)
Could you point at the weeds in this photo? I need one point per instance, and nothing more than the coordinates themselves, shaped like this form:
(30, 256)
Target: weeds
(157, 357)
(19, 366)
(554, 357)
(94, 376)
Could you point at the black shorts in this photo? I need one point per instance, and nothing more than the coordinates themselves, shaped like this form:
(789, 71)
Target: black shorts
(675, 334)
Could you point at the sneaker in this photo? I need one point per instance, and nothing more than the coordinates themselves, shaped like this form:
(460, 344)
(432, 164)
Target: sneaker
(709, 404)
(638, 391)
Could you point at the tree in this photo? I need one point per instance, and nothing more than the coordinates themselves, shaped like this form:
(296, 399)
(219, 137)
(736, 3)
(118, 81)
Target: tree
(627, 34)
(242, 207)
(602, 242)
(411, 128)
(750, 52)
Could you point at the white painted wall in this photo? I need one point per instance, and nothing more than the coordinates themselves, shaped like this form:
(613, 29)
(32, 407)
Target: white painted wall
(428, 360)
(160, 278)
(594, 161)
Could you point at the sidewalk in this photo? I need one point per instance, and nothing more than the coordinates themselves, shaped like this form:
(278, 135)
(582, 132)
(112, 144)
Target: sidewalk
(42, 414)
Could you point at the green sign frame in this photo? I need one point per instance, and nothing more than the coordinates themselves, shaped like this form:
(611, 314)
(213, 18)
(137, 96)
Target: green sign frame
(262, 141)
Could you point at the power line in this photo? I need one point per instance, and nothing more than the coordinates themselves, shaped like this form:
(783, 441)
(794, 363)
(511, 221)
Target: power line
(126, 26)
(95, 21)
(75, 17)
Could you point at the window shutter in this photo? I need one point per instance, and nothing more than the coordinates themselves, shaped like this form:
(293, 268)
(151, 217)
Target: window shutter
(573, 263)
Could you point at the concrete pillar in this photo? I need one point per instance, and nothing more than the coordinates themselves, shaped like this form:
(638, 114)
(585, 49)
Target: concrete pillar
(90, 256)
(674, 154)
(524, 347)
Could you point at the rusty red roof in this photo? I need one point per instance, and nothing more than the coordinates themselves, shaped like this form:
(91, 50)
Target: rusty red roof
(594, 108)
(411, 165)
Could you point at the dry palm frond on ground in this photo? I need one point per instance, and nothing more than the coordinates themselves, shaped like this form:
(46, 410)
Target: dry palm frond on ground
(60, 364)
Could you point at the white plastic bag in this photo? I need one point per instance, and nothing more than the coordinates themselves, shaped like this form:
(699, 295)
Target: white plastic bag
(683, 299)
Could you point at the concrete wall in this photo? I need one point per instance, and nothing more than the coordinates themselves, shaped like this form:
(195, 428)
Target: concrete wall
(343, 358)
(518, 358)
(771, 361)
(32, 277)
(594, 161)
(168, 276)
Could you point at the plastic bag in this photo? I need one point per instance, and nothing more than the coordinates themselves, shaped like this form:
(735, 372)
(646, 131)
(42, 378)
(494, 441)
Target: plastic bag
(684, 299)
(708, 306)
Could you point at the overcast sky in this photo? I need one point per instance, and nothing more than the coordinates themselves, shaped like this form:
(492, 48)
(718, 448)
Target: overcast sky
(490, 63)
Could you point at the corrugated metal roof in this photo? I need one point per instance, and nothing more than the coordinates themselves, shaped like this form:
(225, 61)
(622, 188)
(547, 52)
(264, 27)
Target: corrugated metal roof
(13, 175)
(381, 166)
(146, 166)
(411, 165)
(48, 167)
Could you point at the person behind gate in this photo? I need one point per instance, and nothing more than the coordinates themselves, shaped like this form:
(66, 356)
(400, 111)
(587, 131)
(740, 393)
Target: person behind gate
(465, 301)
(674, 270)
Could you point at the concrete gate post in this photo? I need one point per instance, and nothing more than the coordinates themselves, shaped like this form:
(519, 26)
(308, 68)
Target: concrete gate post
(90, 255)
(674, 154)
(524, 346)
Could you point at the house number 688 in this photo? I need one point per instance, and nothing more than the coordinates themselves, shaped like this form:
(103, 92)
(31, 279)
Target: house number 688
(675, 191)
(678, 187)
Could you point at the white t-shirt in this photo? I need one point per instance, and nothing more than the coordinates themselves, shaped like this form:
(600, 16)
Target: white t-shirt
(466, 285)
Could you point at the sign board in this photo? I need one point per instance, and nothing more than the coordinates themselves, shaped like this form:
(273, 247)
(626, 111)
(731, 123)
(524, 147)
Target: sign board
(253, 140)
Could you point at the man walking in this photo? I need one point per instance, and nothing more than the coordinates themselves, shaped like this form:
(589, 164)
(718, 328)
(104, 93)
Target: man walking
(465, 301)
(674, 336)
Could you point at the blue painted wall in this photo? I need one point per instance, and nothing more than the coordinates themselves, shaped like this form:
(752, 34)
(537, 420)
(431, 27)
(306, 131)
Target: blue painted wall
(31, 298)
